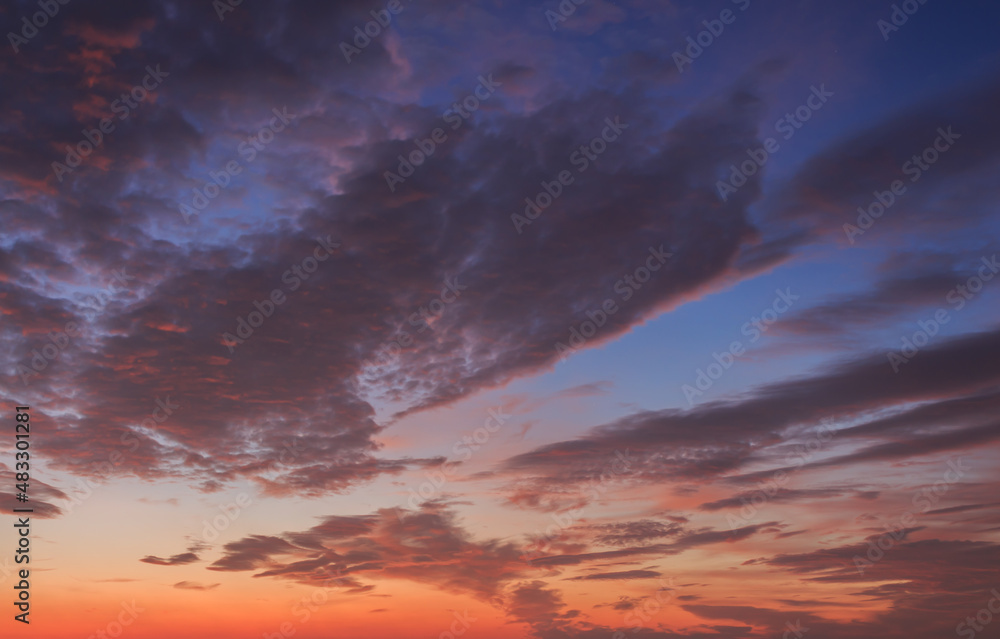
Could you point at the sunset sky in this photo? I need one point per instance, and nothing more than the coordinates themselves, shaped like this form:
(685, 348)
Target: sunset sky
(587, 319)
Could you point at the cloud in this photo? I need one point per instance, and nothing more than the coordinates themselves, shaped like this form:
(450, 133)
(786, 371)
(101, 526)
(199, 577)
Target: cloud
(920, 582)
(692, 539)
(191, 585)
(618, 576)
(426, 546)
(176, 560)
(40, 509)
(159, 337)
(632, 532)
(39, 492)
(585, 390)
(942, 400)
(897, 296)
(536, 604)
(825, 194)
(962, 509)
(779, 496)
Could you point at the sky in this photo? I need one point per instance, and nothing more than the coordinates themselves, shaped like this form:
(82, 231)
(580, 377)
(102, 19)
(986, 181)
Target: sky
(556, 320)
